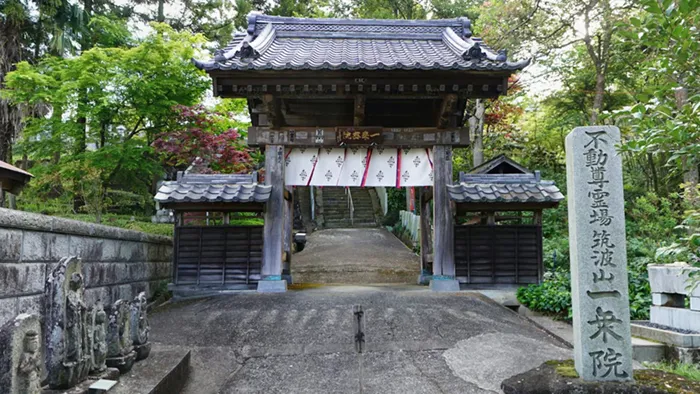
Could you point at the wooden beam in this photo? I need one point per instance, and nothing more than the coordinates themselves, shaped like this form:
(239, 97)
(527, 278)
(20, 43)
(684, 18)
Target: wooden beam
(425, 231)
(392, 136)
(359, 118)
(272, 110)
(443, 242)
(288, 234)
(273, 233)
(446, 110)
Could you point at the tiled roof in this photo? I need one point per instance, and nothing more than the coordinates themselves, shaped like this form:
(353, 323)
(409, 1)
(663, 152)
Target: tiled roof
(212, 188)
(515, 188)
(285, 43)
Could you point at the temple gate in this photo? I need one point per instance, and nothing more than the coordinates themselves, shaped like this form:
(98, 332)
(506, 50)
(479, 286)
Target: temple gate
(388, 89)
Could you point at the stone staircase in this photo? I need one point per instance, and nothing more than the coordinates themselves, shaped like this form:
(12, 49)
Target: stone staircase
(336, 212)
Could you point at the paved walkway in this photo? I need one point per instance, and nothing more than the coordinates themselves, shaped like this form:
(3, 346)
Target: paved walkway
(355, 255)
(303, 342)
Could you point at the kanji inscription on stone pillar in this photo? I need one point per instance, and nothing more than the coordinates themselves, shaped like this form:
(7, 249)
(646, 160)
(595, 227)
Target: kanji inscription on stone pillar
(599, 289)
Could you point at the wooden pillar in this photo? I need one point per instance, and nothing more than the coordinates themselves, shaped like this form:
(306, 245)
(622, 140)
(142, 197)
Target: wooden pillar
(425, 237)
(273, 234)
(288, 235)
(443, 243)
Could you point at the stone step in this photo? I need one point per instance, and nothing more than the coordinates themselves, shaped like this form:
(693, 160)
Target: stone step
(647, 351)
(166, 370)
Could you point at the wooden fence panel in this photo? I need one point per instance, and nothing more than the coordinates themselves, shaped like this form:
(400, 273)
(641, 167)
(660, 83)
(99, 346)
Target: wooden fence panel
(498, 254)
(218, 255)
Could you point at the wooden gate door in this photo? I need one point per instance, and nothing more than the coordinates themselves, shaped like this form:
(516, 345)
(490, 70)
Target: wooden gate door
(228, 256)
(498, 254)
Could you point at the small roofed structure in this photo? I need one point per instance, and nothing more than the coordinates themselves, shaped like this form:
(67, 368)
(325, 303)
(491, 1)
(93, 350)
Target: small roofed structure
(498, 236)
(13, 179)
(210, 252)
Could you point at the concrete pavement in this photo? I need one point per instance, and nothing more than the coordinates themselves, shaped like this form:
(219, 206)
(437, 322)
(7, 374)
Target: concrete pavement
(355, 255)
(303, 341)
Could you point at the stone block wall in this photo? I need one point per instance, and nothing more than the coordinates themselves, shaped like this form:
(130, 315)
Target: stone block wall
(117, 263)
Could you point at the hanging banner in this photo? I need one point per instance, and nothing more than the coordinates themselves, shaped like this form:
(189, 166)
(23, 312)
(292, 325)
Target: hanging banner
(383, 167)
(354, 167)
(299, 166)
(416, 167)
(329, 166)
(357, 166)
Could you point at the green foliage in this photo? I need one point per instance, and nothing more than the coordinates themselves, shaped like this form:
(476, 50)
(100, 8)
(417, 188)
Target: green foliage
(553, 296)
(690, 371)
(108, 104)
(396, 202)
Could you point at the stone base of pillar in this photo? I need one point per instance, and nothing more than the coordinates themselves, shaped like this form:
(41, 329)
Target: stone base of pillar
(272, 286)
(425, 278)
(444, 285)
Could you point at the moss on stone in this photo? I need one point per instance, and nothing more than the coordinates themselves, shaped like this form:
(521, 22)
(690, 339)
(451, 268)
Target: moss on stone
(666, 381)
(564, 368)
(661, 380)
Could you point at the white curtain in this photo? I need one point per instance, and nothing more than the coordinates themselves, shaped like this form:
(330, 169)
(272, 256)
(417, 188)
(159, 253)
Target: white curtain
(354, 166)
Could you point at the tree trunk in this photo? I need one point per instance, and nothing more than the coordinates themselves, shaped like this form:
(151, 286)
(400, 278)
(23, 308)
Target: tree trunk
(476, 130)
(599, 94)
(161, 15)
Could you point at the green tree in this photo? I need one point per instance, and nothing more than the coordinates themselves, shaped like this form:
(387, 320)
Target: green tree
(666, 118)
(124, 96)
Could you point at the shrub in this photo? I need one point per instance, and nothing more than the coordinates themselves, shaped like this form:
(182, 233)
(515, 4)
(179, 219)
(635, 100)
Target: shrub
(553, 296)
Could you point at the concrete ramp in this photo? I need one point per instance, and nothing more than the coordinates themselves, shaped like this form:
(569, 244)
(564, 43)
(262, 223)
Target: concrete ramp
(355, 256)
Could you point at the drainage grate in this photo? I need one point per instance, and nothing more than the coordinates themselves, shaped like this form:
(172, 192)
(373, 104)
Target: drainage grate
(359, 324)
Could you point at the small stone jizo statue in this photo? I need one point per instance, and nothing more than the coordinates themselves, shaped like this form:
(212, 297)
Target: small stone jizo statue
(99, 338)
(29, 370)
(140, 327)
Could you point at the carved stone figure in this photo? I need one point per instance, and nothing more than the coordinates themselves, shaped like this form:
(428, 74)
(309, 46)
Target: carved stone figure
(66, 330)
(75, 328)
(120, 349)
(21, 355)
(29, 371)
(98, 338)
(140, 327)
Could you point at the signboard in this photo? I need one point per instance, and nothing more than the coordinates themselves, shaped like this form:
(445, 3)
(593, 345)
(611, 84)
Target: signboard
(360, 135)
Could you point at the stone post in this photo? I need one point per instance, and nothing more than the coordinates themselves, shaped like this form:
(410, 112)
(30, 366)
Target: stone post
(602, 341)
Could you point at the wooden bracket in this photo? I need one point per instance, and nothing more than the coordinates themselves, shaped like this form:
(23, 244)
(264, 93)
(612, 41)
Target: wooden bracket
(446, 110)
(272, 110)
(359, 118)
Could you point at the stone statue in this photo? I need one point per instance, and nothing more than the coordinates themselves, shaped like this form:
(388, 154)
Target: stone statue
(21, 355)
(140, 327)
(120, 348)
(98, 338)
(75, 328)
(68, 356)
(29, 371)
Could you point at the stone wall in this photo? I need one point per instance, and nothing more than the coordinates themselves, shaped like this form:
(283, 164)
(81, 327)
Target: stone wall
(118, 263)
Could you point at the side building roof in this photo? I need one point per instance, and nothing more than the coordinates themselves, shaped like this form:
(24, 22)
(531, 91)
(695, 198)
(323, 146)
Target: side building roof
(286, 43)
(216, 188)
(488, 183)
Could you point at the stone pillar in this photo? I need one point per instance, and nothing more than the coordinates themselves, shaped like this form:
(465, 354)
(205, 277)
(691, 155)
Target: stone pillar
(273, 235)
(602, 341)
(443, 242)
